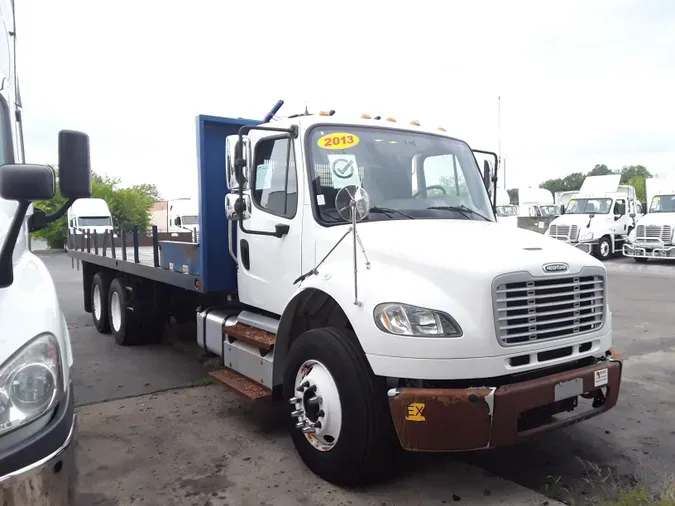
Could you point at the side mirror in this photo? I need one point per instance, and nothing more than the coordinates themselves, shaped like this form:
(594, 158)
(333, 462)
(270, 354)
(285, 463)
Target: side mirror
(74, 165)
(236, 161)
(486, 175)
(27, 183)
(632, 215)
(237, 207)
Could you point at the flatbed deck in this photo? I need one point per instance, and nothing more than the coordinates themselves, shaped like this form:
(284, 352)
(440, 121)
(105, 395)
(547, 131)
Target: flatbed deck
(142, 261)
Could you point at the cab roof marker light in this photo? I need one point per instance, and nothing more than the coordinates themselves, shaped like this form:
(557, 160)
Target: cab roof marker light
(393, 120)
(377, 117)
(415, 122)
(326, 113)
(366, 116)
(442, 129)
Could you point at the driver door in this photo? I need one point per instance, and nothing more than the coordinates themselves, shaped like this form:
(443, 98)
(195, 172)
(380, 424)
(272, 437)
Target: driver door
(620, 226)
(268, 265)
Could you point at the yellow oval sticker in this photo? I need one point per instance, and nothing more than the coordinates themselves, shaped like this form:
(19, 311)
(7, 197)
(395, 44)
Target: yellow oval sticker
(338, 140)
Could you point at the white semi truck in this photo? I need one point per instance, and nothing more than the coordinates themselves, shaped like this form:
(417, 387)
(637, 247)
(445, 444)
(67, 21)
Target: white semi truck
(38, 427)
(536, 203)
(507, 213)
(652, 236)
(332, 273)
(90, 216)
(176, 215)
(598, 217)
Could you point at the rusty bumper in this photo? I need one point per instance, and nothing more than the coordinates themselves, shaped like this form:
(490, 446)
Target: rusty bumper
(439, 419)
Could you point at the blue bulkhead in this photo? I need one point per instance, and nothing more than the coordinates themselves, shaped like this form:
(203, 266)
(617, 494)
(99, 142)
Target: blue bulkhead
(218, 270)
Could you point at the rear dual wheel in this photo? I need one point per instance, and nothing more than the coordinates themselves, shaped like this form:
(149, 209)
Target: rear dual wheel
(130, 327)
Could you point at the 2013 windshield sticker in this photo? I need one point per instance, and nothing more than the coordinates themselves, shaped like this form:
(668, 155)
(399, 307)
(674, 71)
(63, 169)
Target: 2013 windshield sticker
(338, 140)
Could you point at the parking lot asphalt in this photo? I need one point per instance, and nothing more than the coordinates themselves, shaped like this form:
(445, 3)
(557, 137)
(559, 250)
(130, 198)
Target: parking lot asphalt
(633, 443)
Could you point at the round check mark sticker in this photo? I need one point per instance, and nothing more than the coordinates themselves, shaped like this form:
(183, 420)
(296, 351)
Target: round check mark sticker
(344, 169)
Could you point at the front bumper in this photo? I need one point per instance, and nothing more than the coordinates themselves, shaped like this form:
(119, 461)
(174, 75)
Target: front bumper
(656, 251)
(42, 470)
(461, 419)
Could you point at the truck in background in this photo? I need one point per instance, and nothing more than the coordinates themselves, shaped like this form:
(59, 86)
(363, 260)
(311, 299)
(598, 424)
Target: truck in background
(336, 278)
(176, 215)
(598, 217)
(652, 237)
(91, 215)
(507, 212)
(561, 199)
(536, 203)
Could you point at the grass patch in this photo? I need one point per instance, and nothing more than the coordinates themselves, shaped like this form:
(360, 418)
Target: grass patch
(604, 487)
(202, 382)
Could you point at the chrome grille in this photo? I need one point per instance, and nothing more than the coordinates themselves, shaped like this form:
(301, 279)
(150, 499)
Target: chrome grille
(565, 232)
(654, 233)
(531, 309)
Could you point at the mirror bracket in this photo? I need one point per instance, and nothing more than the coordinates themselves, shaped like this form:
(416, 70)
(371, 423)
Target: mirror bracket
(39, 219)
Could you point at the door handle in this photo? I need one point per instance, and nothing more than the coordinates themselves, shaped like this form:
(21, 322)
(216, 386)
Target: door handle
(281, 229)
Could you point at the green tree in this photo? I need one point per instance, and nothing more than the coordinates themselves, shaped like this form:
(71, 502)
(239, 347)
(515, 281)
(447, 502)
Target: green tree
(128, 206)
(631, 171)
(638, 183)
(600, 170)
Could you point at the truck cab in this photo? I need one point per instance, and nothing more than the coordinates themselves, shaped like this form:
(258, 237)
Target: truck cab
(90, 215)
(507, 213)
(598, 217)
(652, 237)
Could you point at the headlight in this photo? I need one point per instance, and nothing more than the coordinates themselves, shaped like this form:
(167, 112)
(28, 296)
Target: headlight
(31, 383)
(586, 236)
(405, 320)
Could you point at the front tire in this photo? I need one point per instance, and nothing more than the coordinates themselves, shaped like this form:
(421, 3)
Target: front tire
(604, 248)
(328, 380)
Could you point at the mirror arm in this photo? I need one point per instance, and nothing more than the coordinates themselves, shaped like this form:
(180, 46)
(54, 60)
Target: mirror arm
(7, 250)
(40, 219)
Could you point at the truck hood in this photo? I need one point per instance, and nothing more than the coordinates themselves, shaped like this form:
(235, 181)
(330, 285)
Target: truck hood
(657, 219)
(468, 245)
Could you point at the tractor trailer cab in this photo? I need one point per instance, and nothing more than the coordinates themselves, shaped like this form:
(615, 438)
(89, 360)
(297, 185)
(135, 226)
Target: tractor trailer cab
(507, 213)
(598, 217)
(652, 237)
(336, 278)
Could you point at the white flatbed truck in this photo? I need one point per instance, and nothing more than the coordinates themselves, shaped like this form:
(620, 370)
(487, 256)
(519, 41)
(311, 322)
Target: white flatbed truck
(329, 274)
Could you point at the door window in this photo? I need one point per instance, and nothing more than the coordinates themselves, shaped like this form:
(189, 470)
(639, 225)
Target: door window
(620, 207)
(274, 185)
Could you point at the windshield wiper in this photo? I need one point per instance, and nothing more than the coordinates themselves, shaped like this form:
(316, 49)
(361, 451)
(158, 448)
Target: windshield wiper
(388, 211)
(463, 210)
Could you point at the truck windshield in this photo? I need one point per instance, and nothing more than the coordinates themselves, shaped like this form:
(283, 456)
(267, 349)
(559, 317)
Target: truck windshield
(588, 206)
(506, 210)
(94, 221)
(663, 204)
(549, 210)
(190, 220)
(406, 174)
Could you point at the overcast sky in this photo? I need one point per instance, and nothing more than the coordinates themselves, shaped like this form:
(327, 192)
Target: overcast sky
(581, 83)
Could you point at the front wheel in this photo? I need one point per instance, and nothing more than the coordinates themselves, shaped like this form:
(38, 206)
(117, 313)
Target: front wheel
(604, 248)
(340, 421)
